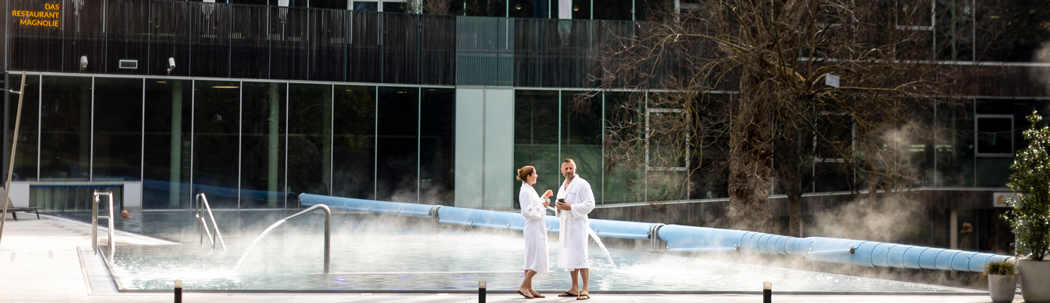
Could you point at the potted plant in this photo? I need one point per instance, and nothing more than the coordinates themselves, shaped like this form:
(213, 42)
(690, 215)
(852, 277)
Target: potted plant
(1001, 282)
(1030, 217)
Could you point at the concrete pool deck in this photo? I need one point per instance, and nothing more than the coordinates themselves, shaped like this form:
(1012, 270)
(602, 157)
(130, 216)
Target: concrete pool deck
(39, 262)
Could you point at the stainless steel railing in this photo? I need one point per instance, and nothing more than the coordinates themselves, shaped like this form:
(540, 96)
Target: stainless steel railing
(94, 222)
(201, 204)
(327, 229)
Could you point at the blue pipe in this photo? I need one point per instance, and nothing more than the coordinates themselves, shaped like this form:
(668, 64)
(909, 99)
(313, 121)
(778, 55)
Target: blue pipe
(681, 238)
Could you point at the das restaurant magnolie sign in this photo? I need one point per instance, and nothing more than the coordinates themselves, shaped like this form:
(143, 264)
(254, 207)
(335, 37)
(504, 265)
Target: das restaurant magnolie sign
(45, 18)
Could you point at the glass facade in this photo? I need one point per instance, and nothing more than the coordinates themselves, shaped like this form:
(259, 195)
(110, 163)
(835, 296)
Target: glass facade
(254, 144)
(245, 144)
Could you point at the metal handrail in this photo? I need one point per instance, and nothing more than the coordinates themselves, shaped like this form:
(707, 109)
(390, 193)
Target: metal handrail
(327, 229)
(94, 223)
(199, 209)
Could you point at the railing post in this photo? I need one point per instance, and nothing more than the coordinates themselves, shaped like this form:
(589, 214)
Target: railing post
(178, 291)
(327, 230)
(94, 224)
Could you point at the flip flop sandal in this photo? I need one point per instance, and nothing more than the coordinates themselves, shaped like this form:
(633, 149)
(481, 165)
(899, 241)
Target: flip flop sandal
(537, 295)
(523, 294)
(583, 297)
(568, 294)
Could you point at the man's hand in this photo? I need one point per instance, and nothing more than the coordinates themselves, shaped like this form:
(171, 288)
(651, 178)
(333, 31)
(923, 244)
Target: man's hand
(564, 206)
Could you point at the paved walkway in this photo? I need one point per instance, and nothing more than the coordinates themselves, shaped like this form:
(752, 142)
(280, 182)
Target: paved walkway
(39, 262)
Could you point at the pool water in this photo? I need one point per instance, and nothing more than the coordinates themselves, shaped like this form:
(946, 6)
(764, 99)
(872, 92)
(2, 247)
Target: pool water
(397, 254)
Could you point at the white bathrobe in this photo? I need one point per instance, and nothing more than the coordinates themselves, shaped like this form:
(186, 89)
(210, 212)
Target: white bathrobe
(534, 230)
(572, 240)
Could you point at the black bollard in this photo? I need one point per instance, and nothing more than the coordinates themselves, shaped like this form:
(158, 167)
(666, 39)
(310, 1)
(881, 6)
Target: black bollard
(178, 291)
(481, 291)
(767, 292)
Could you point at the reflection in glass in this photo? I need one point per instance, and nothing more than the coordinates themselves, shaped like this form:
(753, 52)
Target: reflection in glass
(397, 144)
(262, 145)
(581, 137)
(622, 176)
(216, 112)
(166, 171)
(613, 10)
(65, 143)
(993, 171)
(309, 140)
(528, 9)
(118, 129)
(28, 132)
(366, 6)
(436, 126)
(955, 147)
(994, 135)
(536, 137)
(353, 144)
(709, 149)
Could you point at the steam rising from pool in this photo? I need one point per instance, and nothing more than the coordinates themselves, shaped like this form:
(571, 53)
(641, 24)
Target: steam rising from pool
(246, 251)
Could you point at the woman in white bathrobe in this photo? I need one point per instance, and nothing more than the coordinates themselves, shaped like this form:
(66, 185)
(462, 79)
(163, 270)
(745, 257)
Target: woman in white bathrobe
(534, 208)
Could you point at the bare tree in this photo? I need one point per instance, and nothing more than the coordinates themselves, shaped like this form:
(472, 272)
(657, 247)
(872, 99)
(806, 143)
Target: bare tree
(436, 7)
(775, 58)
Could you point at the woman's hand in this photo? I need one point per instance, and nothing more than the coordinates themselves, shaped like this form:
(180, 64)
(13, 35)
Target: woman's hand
(546, 203)
(547, 194)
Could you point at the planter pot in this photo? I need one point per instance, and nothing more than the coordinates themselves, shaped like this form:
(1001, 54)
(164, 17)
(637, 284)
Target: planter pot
(1035, 281)
(1001, 287)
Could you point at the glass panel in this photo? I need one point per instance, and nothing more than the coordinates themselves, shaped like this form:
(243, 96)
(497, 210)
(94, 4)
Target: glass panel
(993, 172)
(536, 137)
(831, 176)
(994, 135)
(613, 10)
(166, 174)
(992, 106)
(309, 140)
(623, 169)
(581, 137)
(65, 144)
(394, 7)
(263, 144)
(436, 146)
(709, 149)
(955, 147)
(397, 144)
(353, 146)
(528, 9)
(118, 129)
(28, 132)
(333, 4)
(216, 108)
(73, 198)
(581, 9)
(366, 6)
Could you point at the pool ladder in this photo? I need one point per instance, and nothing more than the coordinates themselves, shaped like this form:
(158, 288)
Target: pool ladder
(94, 222)
(201, 204)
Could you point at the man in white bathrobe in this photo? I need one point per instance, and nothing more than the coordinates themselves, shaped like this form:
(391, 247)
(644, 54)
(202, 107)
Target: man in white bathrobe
(572, 240)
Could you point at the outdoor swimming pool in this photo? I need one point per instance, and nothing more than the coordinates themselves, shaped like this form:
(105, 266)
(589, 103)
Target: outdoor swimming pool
(386, 253)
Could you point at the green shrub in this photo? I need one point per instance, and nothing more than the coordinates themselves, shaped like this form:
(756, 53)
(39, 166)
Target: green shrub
(1003, 268)
(1030, 217)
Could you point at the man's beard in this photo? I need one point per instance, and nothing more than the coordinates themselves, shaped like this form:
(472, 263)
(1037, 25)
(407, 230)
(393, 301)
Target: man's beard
(569, 175)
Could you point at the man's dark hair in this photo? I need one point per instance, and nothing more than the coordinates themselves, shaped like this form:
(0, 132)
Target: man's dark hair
(567, 160)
